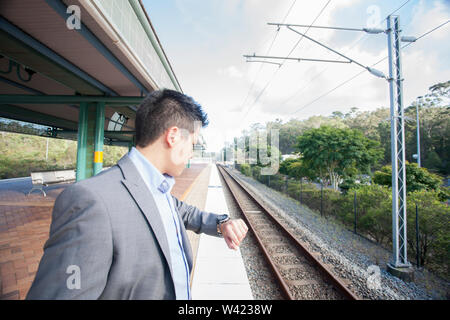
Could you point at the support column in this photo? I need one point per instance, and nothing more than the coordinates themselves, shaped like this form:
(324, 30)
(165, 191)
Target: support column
(90, 139)
(90, 143)
(399, 265)
(99, 137)
(81, 140)
(132, 144)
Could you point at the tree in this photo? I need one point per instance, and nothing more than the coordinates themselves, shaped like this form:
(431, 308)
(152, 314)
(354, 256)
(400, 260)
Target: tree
(434, 230)
(374, 211)
(434, 117)
(296, 169)
(416, 179)
(336, 152)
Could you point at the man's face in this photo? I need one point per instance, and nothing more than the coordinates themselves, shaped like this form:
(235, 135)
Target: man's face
(182, 151)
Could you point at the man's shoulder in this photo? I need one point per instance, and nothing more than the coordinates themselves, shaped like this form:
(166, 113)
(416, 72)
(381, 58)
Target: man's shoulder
(111, 174)
(103, 181)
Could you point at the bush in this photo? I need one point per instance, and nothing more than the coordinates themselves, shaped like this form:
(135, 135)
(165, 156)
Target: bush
(22, 154)
(246, 170)
(284, 165)
(374, 216)
(256, 172)
(416, 179)
(434, 230)
(373, 211)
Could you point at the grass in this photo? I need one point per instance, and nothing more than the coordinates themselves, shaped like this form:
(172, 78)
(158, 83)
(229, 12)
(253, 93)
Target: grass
(20, 154)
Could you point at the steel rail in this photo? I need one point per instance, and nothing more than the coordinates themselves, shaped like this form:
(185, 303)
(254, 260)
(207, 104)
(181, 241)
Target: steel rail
(284, 286)
(324, 270)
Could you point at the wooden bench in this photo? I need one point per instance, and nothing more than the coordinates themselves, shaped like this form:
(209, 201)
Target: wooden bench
(41, 179)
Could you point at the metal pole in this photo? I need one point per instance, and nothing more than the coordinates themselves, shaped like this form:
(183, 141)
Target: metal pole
(399, 240)
(418, 135)
(321, 198)
(417, 237)
(46, 152)
(235, 152)
(301, 190)
(354, 208)
(99, 136)
(82, 141)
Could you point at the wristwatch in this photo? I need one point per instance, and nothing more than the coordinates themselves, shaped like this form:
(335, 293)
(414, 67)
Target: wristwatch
(220, 220)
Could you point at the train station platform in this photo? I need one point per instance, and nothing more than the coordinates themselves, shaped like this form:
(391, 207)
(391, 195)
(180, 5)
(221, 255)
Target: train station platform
(219, 272)
(25, 223)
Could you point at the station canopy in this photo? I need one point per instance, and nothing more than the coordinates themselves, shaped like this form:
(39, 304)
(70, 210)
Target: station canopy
(58, 57)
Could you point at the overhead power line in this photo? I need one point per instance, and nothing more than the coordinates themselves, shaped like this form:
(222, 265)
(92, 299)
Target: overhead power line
(346, 52)
(282, 63)
(268, 51)
(363, 71)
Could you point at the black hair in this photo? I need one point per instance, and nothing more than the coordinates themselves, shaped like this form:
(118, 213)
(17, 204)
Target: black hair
(163, 109)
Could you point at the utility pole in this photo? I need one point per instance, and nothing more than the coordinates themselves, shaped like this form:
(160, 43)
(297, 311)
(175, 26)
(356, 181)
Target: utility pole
(399, 265)
(418, 134)
(399, 222)
(46, 151)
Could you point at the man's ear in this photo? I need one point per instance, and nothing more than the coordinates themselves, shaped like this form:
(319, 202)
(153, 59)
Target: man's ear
(171, 136)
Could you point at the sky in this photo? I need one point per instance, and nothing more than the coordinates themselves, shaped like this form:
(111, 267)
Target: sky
(205, 41)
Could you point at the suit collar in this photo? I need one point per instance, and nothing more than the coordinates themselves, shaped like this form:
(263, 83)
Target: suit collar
(152, 176)
(144, 199)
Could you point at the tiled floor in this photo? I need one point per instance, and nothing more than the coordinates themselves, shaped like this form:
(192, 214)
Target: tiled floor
(24, 226)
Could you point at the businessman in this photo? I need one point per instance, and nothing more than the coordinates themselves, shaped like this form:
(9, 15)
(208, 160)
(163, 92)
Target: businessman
(121, 234)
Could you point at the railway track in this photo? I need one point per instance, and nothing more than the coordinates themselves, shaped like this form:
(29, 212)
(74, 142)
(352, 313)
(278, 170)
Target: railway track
(299, 273)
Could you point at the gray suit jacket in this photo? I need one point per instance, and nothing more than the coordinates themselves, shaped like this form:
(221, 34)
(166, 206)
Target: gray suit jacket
(107, 238)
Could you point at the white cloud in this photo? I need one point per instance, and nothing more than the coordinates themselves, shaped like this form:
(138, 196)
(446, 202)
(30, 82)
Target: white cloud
(215, 73)
(231, 72)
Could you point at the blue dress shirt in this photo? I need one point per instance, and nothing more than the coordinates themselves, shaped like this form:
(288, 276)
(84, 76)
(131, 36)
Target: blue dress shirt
(160, 186)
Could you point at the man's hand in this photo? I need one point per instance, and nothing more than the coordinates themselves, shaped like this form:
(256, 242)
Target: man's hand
(233, 232)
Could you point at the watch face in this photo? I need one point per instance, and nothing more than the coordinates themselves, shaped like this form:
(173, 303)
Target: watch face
(222, 217)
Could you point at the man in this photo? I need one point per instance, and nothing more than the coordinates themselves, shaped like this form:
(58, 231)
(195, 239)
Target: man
(120, 234)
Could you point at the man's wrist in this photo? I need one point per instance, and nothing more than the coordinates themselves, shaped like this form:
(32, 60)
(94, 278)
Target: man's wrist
(220, 221)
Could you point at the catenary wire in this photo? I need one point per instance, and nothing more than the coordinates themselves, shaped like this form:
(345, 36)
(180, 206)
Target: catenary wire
(351, 48)
(275, 73)
(363, 71)
(268, 51)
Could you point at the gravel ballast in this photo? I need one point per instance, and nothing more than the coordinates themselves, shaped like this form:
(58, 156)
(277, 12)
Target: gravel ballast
(351, 256)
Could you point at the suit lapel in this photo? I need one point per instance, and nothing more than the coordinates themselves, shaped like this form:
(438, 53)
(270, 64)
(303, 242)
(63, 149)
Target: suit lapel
(186, 243)
(144, 199)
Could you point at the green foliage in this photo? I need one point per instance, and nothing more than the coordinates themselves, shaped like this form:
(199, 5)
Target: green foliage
(416, 179)
(434, 230)
(22, 154)
(374, 211)
(333, 152)
(284, 165)
(299, 170)
(374, 216)
(345, 145)
(246, 170)
(434, 115)
(354, 182)
(256, 172)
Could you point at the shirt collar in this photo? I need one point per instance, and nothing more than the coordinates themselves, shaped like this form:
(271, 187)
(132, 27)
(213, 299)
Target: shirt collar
(162, 182)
